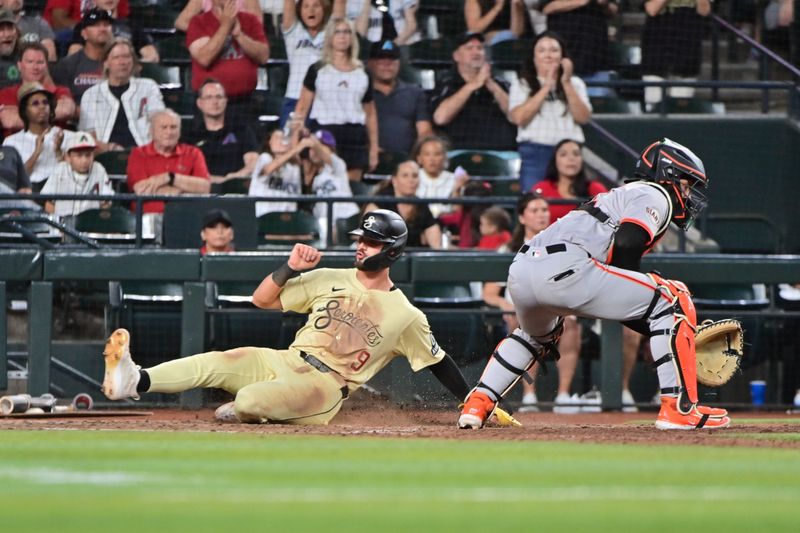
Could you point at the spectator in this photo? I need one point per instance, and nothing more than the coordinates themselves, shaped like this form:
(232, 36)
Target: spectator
(583, 25)
(79, 173)
(497, 20)
(65, 14)
(122, 29)
(32, 66)
(547, 104)
(470, 106)
(435, 181)
(325, 174)
(423, 231)
(39, 142)
(341, 93)
(678, 57)
(403, 114)
(565, 178)
(84, 69)
(217, 232)
(116, 110)
(277, 174)
(465, 220)
(165, 167)
(230, 149)
(533, 217)
(195, 7)
(495, 225)
(13, 177)
(396, 21)
(32, 28)
(228, 44)
(9, 37)
(302, 28)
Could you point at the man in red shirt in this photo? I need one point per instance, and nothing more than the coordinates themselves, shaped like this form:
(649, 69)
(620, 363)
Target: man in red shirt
(64, 14)
(227, 45)
(165, 166)
(32, 67)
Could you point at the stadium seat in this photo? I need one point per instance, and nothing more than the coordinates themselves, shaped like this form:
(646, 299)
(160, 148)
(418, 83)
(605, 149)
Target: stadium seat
(482, 163)
(165, 77)
(288, 228)
(449, 15)
(232, 186)
(183, 103)
(112, 224)
(153, 19)
(173, 51)
(684, 105)
(431, 53)
(744, 233)
(115, 162)
(610, 105)
(343, 227)
(230, 323)
(510, 54)
(505, 187)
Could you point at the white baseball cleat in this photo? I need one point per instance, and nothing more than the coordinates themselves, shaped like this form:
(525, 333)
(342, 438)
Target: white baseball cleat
(121, 376)
(226, 413)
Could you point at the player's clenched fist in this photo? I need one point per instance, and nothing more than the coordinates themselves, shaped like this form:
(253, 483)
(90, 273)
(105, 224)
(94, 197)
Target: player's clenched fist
(304, 257)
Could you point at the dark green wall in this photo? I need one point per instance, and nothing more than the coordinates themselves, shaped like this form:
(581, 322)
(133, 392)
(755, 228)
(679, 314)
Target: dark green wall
(752, 163)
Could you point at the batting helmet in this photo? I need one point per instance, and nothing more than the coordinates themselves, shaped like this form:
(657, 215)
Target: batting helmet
(387, 227)
(667, 163)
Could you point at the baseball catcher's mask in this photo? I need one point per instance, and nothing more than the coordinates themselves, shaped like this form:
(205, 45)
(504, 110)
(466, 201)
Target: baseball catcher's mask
(667, 163)
(387, 227)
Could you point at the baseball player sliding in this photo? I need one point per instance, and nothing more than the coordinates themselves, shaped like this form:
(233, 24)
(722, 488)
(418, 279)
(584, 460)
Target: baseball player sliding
(588, 264)
(358, 321)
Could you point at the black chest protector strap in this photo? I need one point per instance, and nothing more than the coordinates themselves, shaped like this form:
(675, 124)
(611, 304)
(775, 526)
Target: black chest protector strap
(595, 211)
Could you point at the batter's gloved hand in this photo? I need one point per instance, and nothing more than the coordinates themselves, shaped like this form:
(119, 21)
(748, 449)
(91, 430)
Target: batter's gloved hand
(718, 346)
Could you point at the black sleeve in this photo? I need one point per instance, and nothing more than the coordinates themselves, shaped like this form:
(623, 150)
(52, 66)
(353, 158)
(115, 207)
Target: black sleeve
(249, 141)
(310, 81)
(630, 243)
(448, 374)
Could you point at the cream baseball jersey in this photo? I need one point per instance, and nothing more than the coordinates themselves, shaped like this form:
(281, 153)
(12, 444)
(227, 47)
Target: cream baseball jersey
(354, 330)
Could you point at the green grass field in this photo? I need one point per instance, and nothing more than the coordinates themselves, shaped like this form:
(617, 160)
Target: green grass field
(63, 481)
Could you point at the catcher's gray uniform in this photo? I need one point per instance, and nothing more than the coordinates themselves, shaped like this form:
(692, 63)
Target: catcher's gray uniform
(564, 270)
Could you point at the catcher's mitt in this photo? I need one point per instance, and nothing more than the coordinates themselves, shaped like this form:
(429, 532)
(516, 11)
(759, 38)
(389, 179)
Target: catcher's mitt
(719, 351)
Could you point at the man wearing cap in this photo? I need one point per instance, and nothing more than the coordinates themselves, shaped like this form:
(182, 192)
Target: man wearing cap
(84, 69)
(32, 66)
(77, 174)
(470, 106)
(39, 142)
(229, 45)
(403, 113)
(217, 232)
(121, 28)
(32, 28)
(165, 167)
(9, 39)
(230, 147)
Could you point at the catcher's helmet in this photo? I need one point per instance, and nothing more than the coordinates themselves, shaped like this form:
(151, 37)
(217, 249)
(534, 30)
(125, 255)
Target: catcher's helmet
(666, 163)
(387, 227)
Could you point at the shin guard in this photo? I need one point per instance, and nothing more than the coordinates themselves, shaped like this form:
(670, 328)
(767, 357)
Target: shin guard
(512, 357)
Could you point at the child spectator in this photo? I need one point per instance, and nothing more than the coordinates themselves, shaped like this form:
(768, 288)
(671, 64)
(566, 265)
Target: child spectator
(495, 225)
(79, 173)
(430, 153)
(276, 174)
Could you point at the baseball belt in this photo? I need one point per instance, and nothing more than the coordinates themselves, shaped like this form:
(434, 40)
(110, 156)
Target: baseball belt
(322, 367)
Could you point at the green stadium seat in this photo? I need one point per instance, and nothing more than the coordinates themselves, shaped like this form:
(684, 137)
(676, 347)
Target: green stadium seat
(173, 50)
(510, 54)
(288, 228)
(232, 186)
(115, 162)
(610, 105)
(112, 224)
(165, 77)
(482, 163)
(231, 326)
(183, 103)
(505, 187)
(343, 227)
(431, 52)
(684, 105)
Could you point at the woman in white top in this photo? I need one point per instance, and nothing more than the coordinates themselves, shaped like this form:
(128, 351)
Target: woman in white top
(276, 174)
(435, 181)
(302, 27)
(116, 111)
(337, 91)
(547, 104)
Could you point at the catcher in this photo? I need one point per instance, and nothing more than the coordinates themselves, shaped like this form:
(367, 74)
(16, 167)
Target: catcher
(358, 322)
(588, 264)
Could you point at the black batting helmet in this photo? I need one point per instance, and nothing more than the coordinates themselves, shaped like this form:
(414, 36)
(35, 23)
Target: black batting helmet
(666, 163)
(387, 227)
